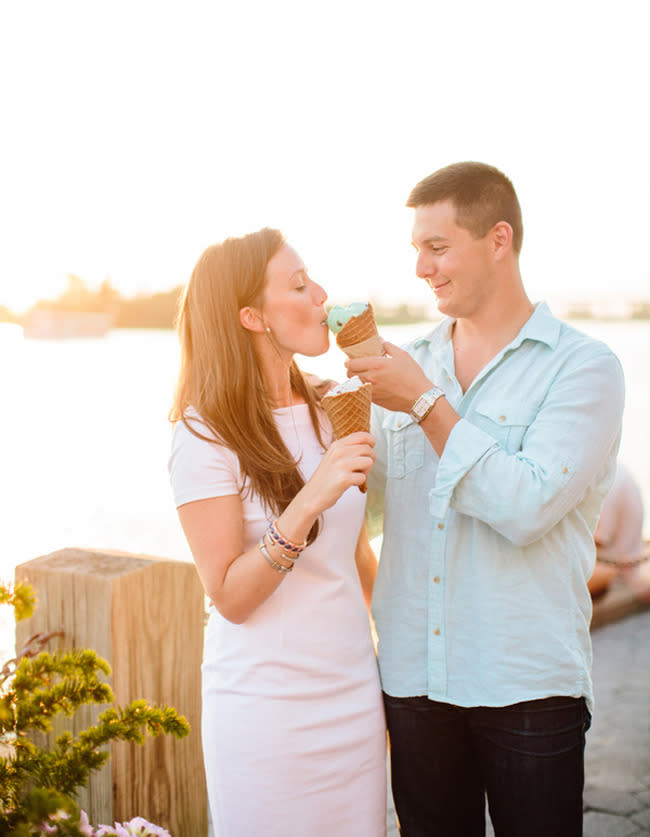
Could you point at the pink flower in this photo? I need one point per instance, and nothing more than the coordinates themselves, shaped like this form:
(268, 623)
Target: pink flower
(57, 816)
(120, 831)
(139, 827)
(84, 825)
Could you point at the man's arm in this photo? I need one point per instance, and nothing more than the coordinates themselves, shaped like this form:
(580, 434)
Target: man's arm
(568, 448)
(521, 495)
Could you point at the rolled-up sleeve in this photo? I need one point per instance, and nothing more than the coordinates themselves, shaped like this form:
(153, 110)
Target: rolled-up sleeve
(523, 494)
(465, 447)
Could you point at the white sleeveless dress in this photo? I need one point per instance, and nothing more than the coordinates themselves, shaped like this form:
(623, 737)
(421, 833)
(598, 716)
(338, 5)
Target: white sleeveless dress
(293, 728)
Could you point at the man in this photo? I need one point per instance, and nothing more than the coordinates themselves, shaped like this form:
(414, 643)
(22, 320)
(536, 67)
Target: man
(496, 441)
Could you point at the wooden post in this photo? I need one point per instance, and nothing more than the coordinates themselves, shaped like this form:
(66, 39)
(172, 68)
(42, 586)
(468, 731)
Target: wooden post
(145, 616)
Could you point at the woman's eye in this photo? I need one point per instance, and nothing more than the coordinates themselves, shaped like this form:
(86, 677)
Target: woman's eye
(300, 287)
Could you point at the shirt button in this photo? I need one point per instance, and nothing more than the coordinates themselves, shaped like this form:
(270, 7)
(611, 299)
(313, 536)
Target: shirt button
(565, 470)
(441, 526)
(502, 418)
(436, 580)
(399, 423)
(437, 632)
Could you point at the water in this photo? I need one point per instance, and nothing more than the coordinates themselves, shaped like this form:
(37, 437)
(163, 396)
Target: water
(85, 439)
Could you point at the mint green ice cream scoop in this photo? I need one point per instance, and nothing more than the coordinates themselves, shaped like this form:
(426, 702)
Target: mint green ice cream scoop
(340, 314)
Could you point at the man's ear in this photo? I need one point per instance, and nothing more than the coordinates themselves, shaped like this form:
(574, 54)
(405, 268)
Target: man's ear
(251, 319)
(501, 239)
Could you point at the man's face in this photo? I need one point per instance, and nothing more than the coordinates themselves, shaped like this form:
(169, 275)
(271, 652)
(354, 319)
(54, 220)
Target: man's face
(457, 267)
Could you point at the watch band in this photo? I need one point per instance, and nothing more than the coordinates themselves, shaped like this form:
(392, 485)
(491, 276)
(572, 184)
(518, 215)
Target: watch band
(425, 403)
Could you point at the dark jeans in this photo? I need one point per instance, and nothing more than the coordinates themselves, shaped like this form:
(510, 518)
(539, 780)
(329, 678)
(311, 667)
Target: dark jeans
(528, 758)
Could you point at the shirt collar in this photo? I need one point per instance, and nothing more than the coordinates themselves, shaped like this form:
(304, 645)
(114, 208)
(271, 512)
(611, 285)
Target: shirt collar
(541, 326)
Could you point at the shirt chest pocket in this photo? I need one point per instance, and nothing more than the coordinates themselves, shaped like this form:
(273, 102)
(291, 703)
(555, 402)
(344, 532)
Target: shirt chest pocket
(506, 423)
(405, 445)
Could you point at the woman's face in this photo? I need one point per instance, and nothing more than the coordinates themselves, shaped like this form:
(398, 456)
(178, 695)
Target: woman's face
(293, 306)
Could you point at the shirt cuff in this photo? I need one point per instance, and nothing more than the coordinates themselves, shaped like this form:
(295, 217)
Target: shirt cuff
(465, 445)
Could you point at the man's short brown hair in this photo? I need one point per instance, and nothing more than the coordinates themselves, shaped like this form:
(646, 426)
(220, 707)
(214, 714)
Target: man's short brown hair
(481, 194)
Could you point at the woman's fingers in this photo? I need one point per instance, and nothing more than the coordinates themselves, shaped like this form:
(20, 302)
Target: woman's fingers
(347, 450)
(360, 437)
(346, 463)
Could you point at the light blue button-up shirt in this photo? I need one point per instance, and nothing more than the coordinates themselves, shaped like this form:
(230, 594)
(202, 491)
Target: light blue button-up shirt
(481, 595)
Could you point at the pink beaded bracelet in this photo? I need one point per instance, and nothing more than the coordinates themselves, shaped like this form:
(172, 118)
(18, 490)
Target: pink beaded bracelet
(266, 539)
(283, 542)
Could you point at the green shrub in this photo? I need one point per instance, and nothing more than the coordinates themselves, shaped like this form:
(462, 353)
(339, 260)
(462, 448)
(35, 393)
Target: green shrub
(38, 785)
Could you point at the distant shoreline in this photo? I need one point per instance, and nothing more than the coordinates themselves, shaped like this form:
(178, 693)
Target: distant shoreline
(382, 321)
(159, 312)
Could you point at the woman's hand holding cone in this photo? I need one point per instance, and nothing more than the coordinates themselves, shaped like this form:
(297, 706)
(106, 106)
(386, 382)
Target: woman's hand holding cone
(346, 463)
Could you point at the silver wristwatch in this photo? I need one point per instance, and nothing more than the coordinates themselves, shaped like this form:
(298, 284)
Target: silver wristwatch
(424, 404)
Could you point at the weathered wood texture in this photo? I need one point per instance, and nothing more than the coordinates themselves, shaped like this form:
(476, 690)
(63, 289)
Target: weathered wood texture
(145, 615)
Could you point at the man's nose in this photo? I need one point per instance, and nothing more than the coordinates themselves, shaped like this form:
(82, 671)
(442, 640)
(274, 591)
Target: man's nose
(425, 266)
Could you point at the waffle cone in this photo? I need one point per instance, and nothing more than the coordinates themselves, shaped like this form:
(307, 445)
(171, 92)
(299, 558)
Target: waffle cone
(359, 336)
(349, 412)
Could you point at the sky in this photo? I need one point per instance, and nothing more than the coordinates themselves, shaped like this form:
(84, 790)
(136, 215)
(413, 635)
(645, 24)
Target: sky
(134, 134)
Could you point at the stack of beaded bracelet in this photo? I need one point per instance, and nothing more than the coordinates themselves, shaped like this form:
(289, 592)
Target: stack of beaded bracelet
(275, 538)
(284, 543)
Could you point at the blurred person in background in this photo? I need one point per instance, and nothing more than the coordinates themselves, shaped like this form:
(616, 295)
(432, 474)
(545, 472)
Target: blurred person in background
(619, 538)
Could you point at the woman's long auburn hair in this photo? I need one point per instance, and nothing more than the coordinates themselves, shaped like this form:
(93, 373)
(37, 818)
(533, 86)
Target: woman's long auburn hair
(220, 376)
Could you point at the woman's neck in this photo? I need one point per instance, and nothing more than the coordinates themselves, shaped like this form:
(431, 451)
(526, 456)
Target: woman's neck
(276, 372)
(277, 380)
(282, 396)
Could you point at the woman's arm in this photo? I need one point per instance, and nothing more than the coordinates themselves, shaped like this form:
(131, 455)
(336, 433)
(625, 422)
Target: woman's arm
(238, 582)
(366, 565)
(235, 581)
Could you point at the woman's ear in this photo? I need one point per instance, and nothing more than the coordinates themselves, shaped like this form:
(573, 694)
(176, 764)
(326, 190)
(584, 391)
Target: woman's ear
(251, 319)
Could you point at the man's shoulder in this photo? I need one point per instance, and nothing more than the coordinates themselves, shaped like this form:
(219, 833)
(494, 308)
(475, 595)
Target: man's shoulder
(572, 339)
(565, 338)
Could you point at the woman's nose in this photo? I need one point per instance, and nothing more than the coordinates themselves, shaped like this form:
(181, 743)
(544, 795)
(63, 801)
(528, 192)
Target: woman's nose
(320, 294)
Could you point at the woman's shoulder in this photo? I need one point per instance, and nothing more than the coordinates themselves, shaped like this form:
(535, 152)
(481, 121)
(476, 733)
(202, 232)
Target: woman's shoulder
(193, 438)
(191, 425)
(199, 464)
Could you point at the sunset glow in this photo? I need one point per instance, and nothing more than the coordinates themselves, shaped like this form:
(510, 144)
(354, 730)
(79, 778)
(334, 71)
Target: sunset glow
(135, 134)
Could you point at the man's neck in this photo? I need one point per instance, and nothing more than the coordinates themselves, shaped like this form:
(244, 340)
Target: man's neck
(478, 339)
(494, 327)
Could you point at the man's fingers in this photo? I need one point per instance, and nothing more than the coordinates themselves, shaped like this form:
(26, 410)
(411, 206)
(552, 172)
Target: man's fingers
(391, 348)
(359, 365)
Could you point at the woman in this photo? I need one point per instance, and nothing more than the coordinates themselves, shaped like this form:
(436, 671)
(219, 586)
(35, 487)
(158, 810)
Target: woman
(293, 726)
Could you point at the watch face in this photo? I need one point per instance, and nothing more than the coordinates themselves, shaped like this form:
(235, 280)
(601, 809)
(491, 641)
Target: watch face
(419, 409)
(425, 402)
(421, 406)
